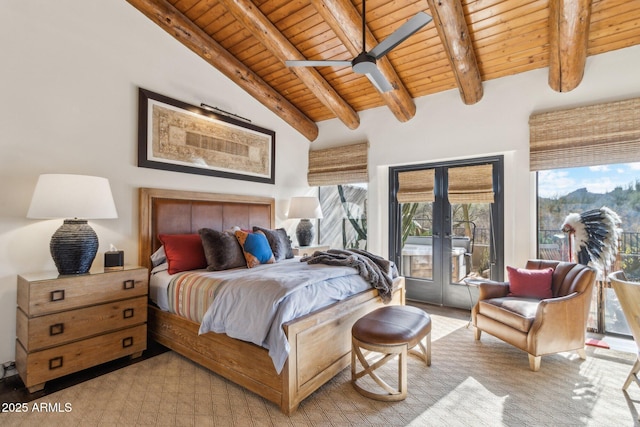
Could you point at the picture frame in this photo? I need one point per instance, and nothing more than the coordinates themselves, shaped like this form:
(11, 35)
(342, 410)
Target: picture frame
(179, 137)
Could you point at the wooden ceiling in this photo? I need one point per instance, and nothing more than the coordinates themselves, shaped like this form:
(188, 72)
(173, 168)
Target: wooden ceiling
(468, 42)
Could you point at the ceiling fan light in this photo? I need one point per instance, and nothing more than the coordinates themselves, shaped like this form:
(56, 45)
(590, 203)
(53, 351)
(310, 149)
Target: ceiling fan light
(363, 63)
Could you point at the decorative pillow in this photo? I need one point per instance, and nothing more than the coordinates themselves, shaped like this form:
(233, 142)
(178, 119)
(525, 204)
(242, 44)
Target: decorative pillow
(530, 283)
(279, 241)
(221, 249)
(255, 247)
(184, 252)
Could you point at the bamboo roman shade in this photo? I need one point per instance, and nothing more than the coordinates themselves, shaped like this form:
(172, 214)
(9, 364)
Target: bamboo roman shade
(471, 184)
(347, 164)
(586, 136)
(416, 186)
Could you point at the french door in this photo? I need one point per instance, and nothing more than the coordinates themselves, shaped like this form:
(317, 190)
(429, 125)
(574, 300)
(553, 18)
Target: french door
(446, 225)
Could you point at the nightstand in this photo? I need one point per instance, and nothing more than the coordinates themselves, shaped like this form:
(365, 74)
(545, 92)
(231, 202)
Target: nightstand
(65, 324)
(309, 250)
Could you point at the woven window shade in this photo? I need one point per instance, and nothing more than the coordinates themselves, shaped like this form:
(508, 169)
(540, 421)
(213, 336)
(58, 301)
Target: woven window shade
(416, 186)
(339, 165)
(471, 184)
(586, 136)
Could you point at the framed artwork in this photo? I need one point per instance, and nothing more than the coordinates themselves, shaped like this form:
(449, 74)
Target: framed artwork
(176, 136)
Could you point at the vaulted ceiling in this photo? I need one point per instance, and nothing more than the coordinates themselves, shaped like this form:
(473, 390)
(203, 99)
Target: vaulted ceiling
(466, 43)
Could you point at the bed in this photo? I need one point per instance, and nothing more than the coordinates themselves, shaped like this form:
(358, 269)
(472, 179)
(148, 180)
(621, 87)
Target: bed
(320, 342)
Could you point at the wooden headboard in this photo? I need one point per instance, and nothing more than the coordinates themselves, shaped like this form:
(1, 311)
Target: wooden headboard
(182, 212)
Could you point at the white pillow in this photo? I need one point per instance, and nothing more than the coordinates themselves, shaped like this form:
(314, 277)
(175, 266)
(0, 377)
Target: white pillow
(158, 257)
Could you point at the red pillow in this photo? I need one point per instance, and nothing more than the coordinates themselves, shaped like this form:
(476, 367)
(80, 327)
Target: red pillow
(184, 252)
(530, 283)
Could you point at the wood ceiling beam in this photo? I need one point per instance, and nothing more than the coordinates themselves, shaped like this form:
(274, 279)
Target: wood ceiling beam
(568, 41)
(346, 21)
(454, 33)
(186, 32)
(259, 25)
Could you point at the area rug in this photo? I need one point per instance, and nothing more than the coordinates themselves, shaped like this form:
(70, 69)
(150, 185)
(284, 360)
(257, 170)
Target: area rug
(486, 383)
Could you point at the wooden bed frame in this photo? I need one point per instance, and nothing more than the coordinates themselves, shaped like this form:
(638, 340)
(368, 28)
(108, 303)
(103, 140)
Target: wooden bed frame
(320, 341)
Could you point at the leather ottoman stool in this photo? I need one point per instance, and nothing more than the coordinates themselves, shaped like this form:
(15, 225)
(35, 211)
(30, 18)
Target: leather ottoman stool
(392, 331)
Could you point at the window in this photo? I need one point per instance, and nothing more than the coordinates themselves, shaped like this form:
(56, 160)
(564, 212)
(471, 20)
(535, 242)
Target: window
(344, 222)
(578, 190)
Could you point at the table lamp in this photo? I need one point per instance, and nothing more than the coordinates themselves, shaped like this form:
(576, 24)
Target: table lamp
(74, 198)
(304, 208)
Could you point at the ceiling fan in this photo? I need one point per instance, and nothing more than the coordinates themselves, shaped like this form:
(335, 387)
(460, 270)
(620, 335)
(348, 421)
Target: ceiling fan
(365, 62)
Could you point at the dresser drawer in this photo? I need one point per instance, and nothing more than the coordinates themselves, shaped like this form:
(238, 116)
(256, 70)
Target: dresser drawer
(60, 328)
(38, 297)
(40, 366)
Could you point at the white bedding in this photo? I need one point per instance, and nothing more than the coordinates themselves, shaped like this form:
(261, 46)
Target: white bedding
(158, 285)
(295, 289)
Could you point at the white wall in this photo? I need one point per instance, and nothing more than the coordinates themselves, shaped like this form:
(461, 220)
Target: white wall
(68, 104)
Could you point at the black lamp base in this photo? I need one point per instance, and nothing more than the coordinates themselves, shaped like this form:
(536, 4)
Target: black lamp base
(304, 232)
(73, 247)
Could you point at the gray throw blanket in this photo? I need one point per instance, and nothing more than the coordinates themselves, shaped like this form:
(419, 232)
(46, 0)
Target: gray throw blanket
(379, 272)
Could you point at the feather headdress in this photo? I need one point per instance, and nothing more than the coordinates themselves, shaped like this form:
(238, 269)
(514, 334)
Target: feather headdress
(596, 233)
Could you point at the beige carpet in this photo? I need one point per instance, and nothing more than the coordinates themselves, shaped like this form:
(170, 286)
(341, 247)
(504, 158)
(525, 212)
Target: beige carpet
(468, 384)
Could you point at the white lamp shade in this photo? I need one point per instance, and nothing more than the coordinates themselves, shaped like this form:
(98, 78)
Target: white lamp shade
(72, 196)
(304, 208)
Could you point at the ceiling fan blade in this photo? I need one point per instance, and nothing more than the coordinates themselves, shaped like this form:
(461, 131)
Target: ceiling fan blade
(401, 34)
(306, 63)
(379, 80)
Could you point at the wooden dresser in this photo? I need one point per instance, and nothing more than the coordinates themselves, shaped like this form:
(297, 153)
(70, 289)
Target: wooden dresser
(65, 324)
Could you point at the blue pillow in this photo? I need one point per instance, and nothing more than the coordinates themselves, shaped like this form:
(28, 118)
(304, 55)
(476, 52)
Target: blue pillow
(255, 247)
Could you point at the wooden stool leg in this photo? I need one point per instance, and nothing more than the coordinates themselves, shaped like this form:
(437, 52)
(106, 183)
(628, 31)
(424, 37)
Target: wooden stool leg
(386, 354)
(425, 349)
(402, 374)
(354, 349)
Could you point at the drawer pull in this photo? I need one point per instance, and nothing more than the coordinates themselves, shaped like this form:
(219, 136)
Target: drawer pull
(127, 342)
(127, 313)
(57, 295)
(129, 284)
(55, 363)
(56, 329)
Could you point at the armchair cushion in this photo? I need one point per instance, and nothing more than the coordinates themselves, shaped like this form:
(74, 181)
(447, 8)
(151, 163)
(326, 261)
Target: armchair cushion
(530, 283)
(517, 313)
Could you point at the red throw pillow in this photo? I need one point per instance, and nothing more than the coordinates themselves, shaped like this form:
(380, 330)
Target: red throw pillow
(530, 283)
(184, 252)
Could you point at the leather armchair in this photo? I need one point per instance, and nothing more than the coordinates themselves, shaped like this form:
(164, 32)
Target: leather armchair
(539, 327)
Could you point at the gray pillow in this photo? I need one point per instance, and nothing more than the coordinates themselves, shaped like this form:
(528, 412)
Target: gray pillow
(279, 241)
(222, 250)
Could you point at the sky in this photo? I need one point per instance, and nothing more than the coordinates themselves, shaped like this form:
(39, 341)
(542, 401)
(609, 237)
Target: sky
(596, 179)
